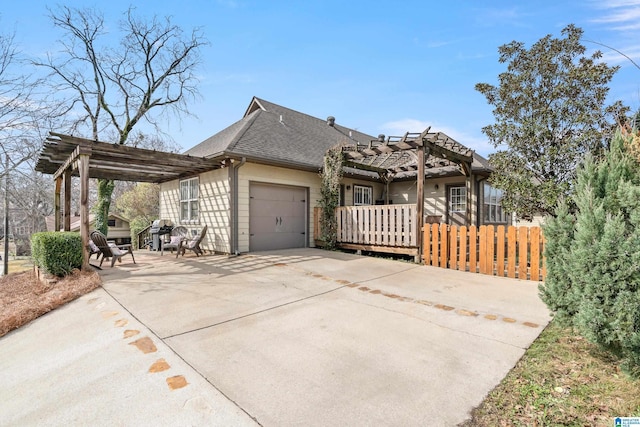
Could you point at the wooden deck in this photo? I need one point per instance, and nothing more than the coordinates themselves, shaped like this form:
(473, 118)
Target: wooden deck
(378, 228)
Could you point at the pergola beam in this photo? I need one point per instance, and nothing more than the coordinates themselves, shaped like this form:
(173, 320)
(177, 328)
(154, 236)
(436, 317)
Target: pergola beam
(379, 154)
(414, 152)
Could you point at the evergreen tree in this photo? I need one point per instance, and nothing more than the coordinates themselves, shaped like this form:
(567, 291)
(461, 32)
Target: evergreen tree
(556, 291)
(593, 265)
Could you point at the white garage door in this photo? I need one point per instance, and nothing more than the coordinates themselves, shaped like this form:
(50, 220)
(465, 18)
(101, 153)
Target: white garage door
(277, 217)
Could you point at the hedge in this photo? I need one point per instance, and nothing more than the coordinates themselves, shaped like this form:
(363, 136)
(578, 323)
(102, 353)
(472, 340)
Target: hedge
(57, 253)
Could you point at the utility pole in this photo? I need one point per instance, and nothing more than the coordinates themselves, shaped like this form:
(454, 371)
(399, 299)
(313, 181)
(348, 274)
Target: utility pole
(5, 258)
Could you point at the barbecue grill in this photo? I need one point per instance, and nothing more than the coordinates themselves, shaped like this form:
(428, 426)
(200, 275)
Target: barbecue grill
(159, 228)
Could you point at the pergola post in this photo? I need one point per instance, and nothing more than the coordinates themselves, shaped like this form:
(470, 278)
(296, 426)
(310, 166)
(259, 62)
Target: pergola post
(67, 200)
(83, 166)
(469, 186)
(56, 203)
(386, 177)
(420, 151)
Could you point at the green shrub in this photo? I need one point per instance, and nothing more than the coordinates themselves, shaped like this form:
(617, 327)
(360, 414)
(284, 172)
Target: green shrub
(593, 264)
(557, 291)
(57, 253)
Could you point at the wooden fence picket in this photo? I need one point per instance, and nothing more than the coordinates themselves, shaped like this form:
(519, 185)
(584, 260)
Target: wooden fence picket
(515, 252)
(473, 249)
(523, 259)
(511, 252)
(462, 264)
(534, 269)
(453, 248)
(500, 244)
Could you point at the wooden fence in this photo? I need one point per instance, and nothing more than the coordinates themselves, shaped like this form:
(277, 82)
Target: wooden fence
(495, 250)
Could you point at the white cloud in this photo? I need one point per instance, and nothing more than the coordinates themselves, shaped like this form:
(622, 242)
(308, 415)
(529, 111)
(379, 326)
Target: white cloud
(616, 58)
(402, 126)
(477, 142)
(624, 13)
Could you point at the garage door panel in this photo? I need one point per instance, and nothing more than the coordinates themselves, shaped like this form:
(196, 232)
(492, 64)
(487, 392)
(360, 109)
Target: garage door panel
(277, 217)
(271, 241)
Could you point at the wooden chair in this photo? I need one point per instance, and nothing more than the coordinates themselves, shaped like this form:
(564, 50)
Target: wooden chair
(109, 250)
(178, 234)
(93, 250)
(193, 244)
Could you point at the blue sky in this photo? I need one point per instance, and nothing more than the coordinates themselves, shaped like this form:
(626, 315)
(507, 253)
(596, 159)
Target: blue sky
(379, 67)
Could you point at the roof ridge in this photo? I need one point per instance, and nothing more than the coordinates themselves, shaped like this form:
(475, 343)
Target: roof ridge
(262, 102)
(245, 127)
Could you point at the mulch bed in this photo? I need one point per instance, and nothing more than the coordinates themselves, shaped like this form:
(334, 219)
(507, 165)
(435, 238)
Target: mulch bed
(23, 297)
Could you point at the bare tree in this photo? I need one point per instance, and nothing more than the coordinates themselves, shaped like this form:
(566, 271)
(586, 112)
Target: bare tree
(114, 88)
(22, 123)
(18, 114)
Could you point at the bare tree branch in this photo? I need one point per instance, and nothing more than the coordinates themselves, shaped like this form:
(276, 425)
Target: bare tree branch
(152, 68)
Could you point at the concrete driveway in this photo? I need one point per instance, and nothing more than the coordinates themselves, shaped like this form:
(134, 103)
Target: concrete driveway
(296, 337)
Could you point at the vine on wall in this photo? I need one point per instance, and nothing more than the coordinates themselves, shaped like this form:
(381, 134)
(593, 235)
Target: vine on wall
(330, 195)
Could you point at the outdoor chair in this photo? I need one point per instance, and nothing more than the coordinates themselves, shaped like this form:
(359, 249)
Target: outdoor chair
(178, 234)
(193, 244)
(110, 250)
(94, 250)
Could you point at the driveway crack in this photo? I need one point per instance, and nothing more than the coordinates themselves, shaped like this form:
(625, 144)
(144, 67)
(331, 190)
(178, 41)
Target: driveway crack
(275, 307)
(431, 322)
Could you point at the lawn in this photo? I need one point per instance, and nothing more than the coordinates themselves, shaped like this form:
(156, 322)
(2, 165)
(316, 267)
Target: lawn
(562, 380)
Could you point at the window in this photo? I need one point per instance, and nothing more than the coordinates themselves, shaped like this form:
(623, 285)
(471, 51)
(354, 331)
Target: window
(111, 222)
(492, 205)
(457, 199)
(189, 199)
(362, 195)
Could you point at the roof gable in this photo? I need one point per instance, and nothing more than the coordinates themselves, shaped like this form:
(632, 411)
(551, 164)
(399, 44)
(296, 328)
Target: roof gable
(273, 134)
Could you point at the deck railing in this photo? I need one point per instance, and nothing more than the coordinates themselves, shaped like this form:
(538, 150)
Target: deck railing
(378, 225)
(144, 236)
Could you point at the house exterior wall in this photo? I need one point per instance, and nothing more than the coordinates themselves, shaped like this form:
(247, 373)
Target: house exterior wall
(214, 208)
(121, 229)
(435, 199)
(348, 183)
(536, 221)
(170, 201)
(252, 172)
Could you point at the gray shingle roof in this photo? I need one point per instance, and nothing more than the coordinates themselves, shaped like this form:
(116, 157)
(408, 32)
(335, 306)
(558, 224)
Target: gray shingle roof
(274, 134)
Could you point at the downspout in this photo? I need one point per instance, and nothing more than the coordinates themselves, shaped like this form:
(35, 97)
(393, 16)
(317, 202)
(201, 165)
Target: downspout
(233, 175)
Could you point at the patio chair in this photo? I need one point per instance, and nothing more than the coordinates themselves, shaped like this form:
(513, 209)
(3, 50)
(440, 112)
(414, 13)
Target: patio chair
(193, 244)
(93, 250)
(178, 234)
(110, 250)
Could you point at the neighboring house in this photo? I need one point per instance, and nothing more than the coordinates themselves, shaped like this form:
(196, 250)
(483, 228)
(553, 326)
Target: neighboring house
(118, 230)
(263, 194)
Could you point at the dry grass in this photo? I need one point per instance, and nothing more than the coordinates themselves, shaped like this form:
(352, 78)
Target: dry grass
(23, 297)
(561, 380)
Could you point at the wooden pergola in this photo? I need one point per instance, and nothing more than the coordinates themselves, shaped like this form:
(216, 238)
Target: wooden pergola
(413, 153)
(64, 156)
